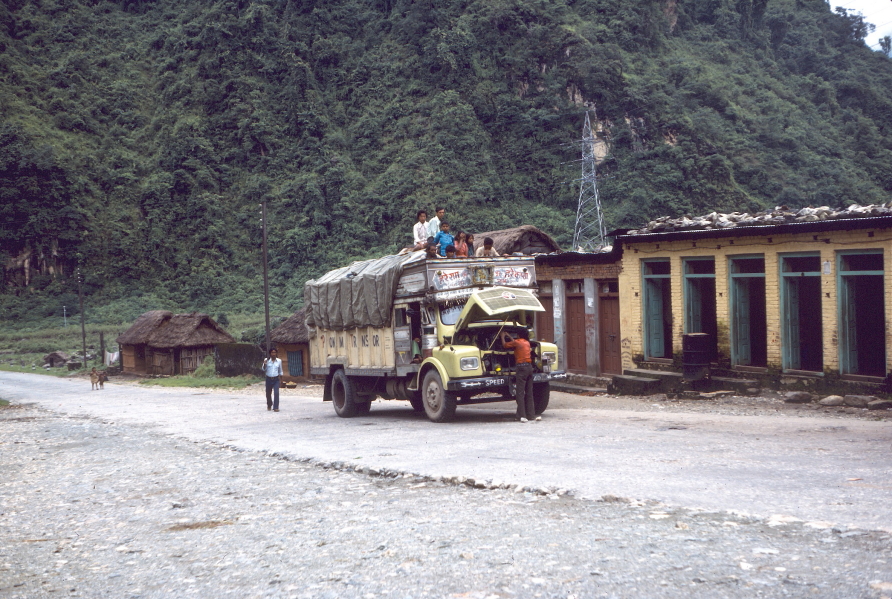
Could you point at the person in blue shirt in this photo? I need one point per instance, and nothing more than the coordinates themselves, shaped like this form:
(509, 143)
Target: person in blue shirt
(444, 238)
(272, 367)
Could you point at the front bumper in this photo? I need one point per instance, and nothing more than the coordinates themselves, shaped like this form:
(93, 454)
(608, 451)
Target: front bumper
(494, 383)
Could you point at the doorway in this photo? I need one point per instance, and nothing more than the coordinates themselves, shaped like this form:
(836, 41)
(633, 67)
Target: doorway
(862, 309)
(608, 316)
(657, 309)
(576, 346)
(802, 336)
(749, 338)
(699, 300)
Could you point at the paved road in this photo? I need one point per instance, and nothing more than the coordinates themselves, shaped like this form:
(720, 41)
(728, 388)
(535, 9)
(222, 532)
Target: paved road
(811, 468)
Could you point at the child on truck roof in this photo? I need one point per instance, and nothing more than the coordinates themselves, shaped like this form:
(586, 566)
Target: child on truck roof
(444, 238)
(419, 231)
(487, 251)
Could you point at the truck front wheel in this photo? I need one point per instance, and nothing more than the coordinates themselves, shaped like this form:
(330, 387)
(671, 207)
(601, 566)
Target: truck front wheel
(541, 391)
(439, 404)
(343, 395)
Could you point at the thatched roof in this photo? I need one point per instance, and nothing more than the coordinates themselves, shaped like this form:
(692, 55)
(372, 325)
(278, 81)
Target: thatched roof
(526, 240)
(163, 329)
(189, 330)
(293, 330)
(145, 325)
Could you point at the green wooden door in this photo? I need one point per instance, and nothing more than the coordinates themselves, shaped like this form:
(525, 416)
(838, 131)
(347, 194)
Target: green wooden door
(792, 345)
(742, 341)
(849, 326)
(656, 343)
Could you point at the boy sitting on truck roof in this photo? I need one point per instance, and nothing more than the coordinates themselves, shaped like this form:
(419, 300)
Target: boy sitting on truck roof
(487, 251)
(430, 251)
(444, 238)
(450, 251)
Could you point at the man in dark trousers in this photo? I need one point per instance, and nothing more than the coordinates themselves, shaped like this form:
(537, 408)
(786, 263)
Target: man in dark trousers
(272, 367)
(526, 409)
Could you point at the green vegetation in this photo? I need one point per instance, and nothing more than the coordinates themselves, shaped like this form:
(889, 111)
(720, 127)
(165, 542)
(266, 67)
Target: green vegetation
(137, 138)
(204, 377)
(6, 367)
(3, 403)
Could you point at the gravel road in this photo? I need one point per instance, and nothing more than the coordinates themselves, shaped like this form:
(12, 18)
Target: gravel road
(134, 492)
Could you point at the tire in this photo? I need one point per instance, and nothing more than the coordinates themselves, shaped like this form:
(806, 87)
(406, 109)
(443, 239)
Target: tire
(343, 395)
(541, 393)
(439, 404)
(417, 404)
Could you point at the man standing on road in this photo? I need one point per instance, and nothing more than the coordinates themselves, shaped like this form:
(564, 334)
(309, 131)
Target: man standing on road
(272, 367)
(526, 409)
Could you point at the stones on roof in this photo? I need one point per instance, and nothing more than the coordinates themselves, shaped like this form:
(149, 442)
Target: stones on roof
(781, 215)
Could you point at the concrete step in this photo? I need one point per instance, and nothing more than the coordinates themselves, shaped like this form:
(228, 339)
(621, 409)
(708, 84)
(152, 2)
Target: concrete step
(587, 380)
(624, 384)
(669, 381)
(578, 389)
(740, 385)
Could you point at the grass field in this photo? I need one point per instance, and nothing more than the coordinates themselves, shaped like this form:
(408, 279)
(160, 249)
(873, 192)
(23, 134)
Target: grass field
(235, 382)
(39, 370)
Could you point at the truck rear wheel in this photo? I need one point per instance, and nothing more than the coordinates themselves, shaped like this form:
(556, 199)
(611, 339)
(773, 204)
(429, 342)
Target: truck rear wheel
(439, 404)
(541, 392)
(343, 395)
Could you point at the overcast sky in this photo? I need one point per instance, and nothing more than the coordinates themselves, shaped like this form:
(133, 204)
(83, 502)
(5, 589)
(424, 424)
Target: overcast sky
(878, 12)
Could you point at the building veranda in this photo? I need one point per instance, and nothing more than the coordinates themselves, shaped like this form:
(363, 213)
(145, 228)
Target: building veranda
(802, 298)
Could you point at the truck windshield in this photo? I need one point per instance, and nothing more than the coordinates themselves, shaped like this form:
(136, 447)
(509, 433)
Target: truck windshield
(448, 315)
(450, 311)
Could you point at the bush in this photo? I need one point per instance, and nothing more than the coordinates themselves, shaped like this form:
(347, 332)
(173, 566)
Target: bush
(205, 370)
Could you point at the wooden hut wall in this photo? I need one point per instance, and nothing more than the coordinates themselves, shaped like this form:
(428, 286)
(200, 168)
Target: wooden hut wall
(134, 358)
(192, 357)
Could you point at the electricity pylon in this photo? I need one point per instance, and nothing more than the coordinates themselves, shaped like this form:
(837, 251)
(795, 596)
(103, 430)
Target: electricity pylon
(589, 235)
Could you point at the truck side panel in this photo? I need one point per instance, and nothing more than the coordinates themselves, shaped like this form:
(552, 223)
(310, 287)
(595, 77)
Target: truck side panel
(364, 347)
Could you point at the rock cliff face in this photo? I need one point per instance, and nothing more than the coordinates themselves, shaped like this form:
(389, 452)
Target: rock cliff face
(779, 216)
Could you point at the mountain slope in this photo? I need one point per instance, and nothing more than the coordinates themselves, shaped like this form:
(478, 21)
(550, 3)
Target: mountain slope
(138, 138)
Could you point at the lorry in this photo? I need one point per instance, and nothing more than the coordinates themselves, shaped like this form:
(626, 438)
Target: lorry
(426, 331)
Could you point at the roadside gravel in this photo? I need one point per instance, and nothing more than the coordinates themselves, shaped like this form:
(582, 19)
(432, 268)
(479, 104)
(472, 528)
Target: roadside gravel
(92, 508)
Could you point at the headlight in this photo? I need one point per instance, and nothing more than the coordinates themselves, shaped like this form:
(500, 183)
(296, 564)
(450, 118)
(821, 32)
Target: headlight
(549, 357)
(470, 363)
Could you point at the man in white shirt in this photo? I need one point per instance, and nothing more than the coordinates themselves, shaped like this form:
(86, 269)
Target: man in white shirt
(433, 227)
(272, 367)
(420, 231)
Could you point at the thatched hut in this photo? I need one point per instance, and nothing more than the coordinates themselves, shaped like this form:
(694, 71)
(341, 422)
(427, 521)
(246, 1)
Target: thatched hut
(524, 240)
(292, 341)
(134, 341)
(160, 342)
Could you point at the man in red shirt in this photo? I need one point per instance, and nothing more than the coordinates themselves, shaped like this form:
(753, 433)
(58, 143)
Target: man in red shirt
(526, 409)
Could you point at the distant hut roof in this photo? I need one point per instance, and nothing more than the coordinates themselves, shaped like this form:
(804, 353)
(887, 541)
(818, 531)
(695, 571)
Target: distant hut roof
(145, 325)
(189, 330)
(526, 240)
(293, 330)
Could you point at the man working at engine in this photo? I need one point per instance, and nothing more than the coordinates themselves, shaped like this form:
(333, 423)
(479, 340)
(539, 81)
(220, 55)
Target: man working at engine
(526, 409)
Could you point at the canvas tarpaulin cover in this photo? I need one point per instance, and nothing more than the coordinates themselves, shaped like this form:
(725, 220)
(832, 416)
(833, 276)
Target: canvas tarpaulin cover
(359, 295)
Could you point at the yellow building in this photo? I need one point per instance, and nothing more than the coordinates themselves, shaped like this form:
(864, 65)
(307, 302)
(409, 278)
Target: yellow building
(800, 298)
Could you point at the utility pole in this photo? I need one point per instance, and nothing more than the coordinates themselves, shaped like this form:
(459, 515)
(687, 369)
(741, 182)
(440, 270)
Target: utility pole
(65, 316)
(265, 273)
(80, 294)
(589, 234)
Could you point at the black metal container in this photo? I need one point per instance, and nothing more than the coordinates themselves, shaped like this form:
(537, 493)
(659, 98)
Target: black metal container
(696, 355)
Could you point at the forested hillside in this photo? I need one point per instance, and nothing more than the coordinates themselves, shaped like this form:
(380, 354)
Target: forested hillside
(138, 137)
